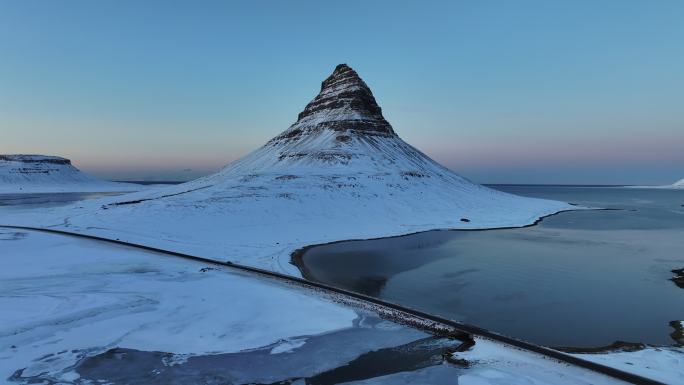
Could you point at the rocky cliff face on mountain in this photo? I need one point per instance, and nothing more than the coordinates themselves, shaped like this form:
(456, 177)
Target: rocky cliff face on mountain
(41, 173)
(339, 172)
(35, 160)
(345, 104)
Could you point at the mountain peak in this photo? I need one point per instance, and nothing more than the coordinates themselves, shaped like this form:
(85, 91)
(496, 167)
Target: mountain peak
(345, 103)
(342, 68)
(345, 76)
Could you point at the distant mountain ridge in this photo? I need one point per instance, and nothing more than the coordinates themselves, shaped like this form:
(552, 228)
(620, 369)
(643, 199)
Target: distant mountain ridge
(21, 173)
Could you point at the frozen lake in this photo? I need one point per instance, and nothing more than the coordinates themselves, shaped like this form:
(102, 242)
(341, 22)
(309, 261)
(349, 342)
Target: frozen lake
(44, 200)
(578, 279)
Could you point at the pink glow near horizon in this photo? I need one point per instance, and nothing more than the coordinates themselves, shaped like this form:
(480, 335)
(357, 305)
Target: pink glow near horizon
(470, 156)
(621, 152)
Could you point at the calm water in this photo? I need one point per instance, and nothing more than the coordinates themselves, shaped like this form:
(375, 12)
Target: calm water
(579, 279)
(34, 201)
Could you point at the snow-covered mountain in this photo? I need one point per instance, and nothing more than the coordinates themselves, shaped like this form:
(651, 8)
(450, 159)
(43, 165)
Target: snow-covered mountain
(679, 184)
(42, 173)
(339, 172)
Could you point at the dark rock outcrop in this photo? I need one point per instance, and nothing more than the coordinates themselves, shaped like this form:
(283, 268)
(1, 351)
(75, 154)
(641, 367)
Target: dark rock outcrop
(678, 278)
(345, 103)
(35, 159)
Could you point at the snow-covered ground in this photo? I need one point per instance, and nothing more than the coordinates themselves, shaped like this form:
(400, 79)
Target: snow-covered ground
(676, 185)
(66, 302)
(50, 174)
(664, 364)
(64, 294)
(261, 218)
(493, 365)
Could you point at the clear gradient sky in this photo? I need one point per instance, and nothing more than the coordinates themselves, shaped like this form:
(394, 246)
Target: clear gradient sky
(500, 91)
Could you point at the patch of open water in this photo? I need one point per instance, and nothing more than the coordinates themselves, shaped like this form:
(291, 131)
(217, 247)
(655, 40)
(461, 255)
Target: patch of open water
(579, 279)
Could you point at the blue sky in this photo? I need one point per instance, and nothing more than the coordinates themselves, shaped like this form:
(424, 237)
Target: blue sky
(499, 91)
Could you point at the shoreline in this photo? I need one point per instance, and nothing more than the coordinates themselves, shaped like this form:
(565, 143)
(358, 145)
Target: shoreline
(297, 259)
(296, 256)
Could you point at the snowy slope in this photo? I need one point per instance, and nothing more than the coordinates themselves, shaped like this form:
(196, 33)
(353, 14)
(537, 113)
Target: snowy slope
(41, 174)
(339, 172)
(676, 185)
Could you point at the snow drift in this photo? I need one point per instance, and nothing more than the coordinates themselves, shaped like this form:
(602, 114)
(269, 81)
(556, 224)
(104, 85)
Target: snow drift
(339, 172)
(41, 173)
(676, 185)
